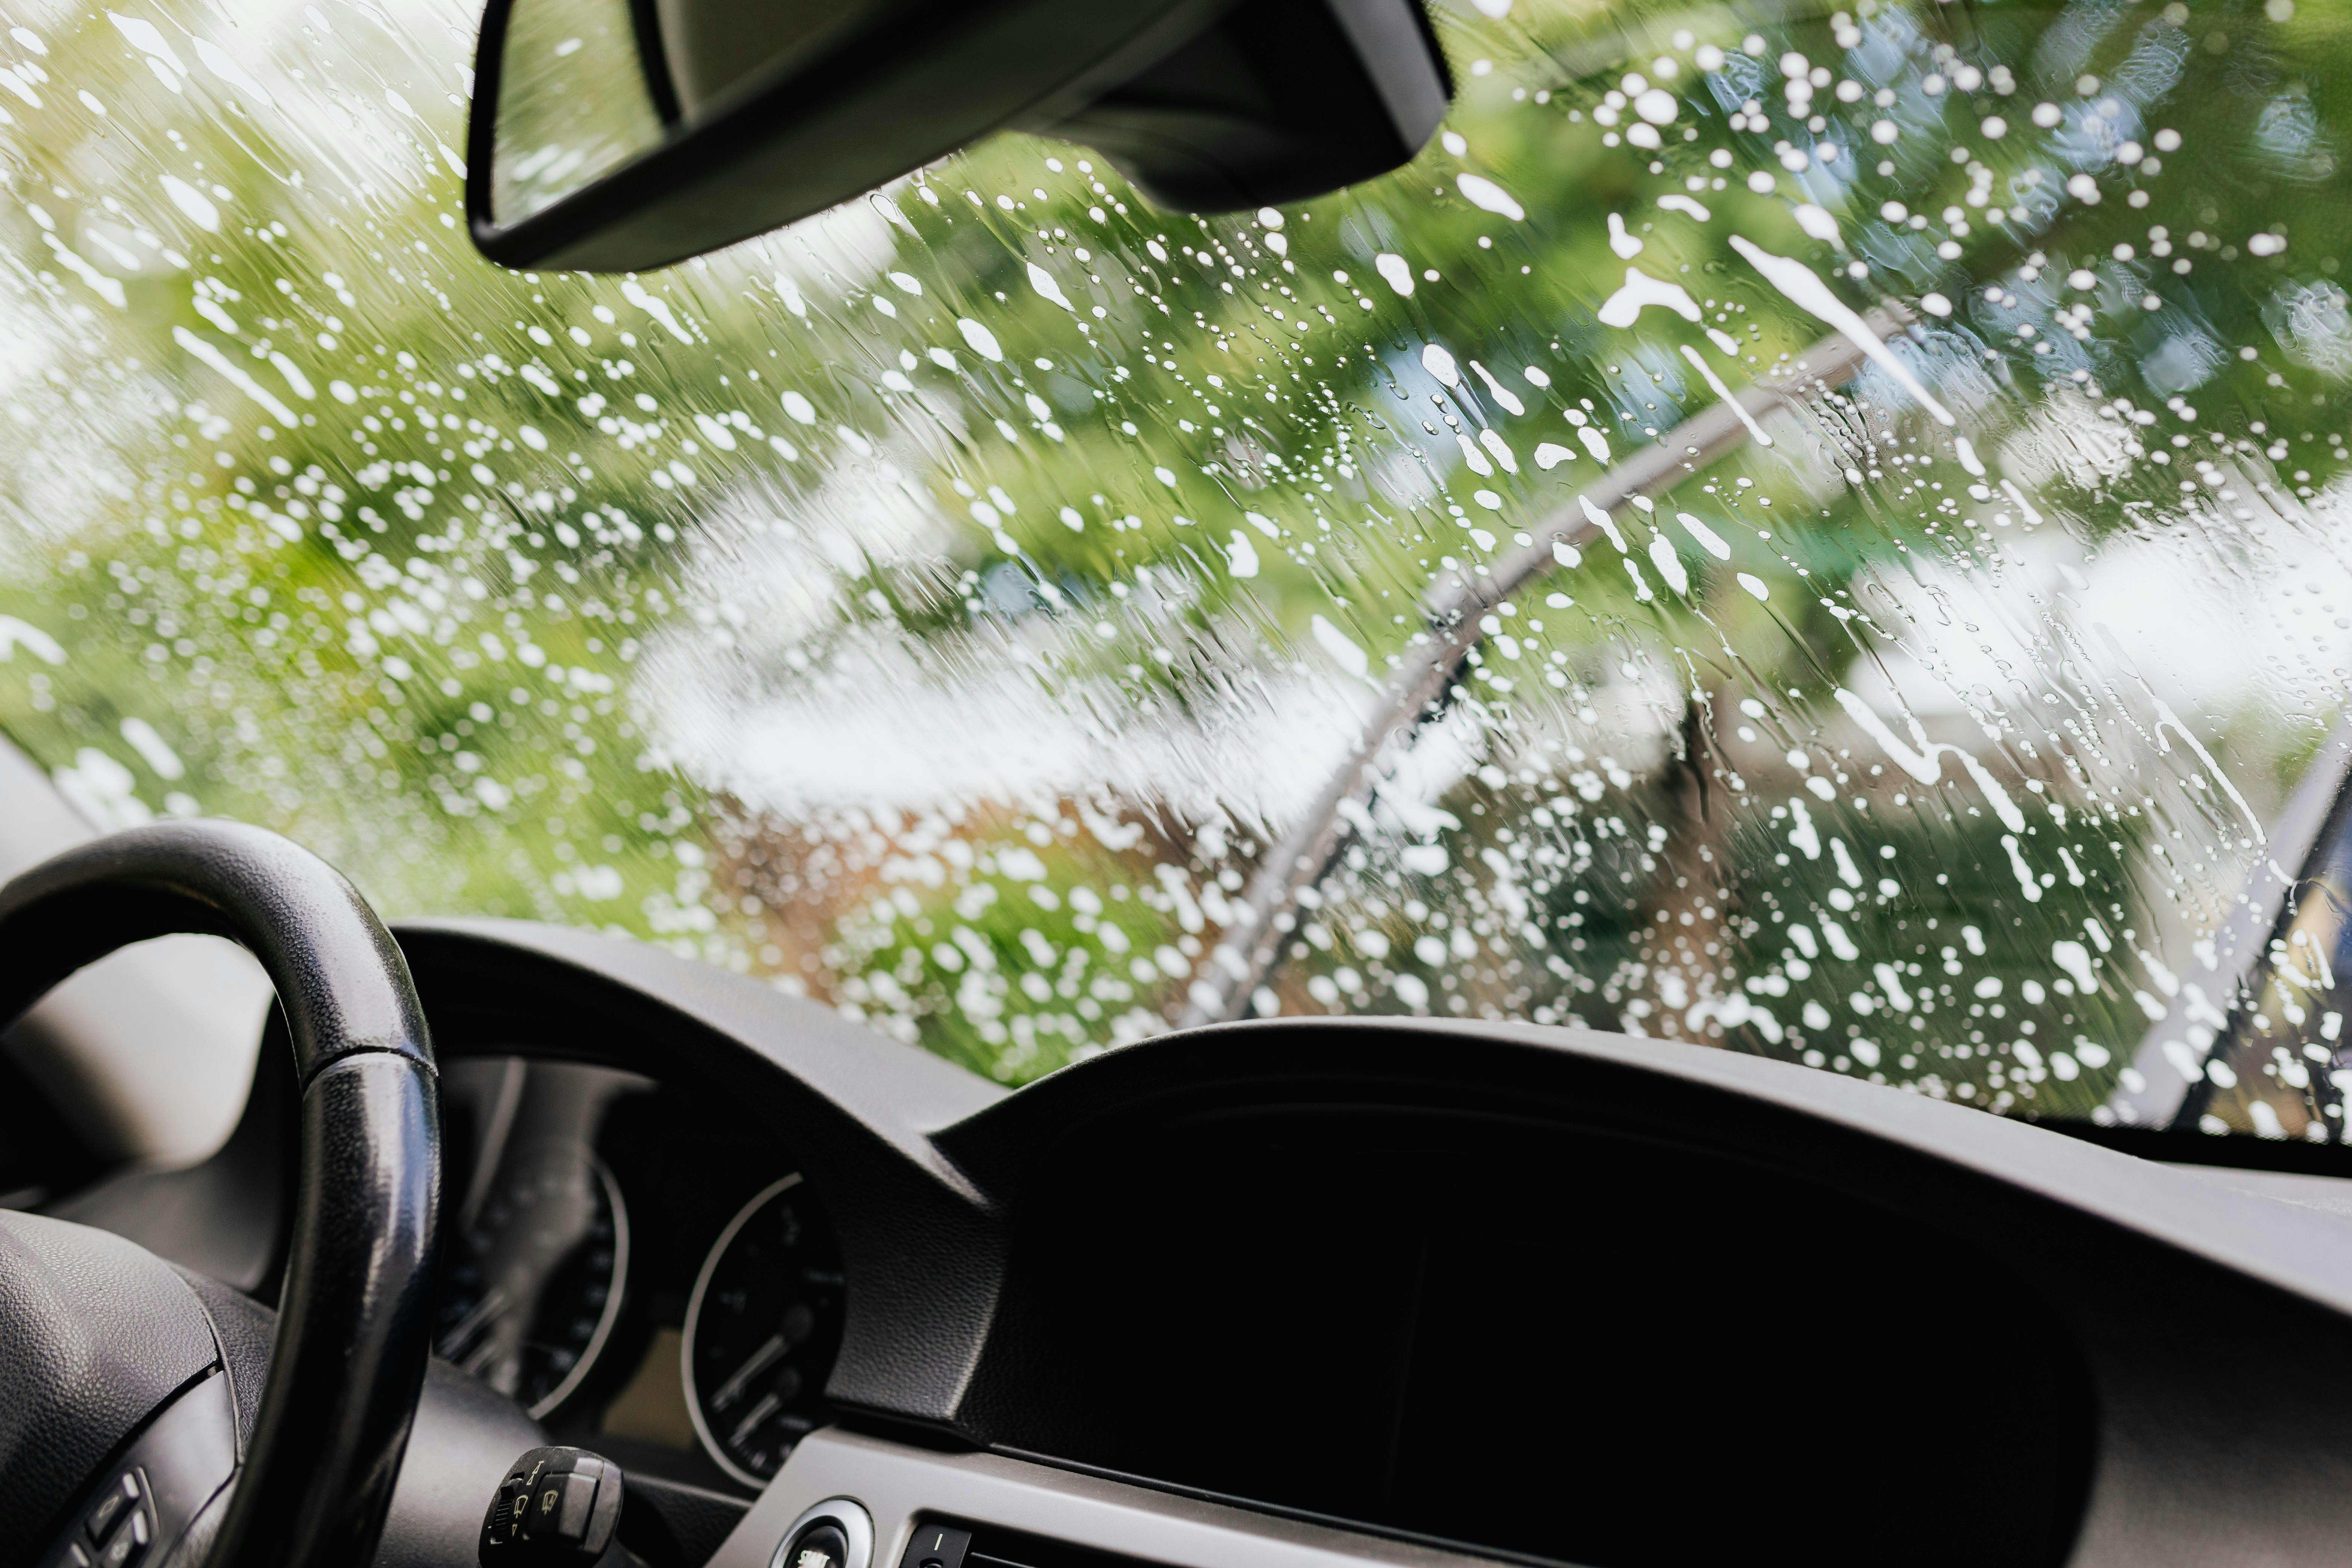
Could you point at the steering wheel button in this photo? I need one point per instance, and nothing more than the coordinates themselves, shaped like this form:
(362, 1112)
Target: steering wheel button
(560, 1507)
(107, 1510)
(128, 1543)
(821, 1545)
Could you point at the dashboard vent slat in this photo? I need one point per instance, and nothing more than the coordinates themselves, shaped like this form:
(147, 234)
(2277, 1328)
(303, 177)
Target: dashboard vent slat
(963, 1543)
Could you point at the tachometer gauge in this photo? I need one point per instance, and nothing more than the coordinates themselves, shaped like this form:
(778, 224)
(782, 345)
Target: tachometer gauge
(761, 1333)
(533, 1276)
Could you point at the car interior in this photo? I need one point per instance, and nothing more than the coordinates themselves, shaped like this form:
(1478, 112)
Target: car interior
(1031, 956)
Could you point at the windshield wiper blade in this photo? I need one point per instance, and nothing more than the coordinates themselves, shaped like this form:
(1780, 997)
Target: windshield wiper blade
(2186, 1055)
(1422, 689)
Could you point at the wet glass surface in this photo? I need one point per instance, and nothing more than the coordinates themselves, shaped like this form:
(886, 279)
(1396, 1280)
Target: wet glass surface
(1826, 538)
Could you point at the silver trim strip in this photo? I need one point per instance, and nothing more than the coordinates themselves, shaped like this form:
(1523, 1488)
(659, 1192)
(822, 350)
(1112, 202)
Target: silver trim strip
(896, 1483)
(614, 1294)
(710, 1444)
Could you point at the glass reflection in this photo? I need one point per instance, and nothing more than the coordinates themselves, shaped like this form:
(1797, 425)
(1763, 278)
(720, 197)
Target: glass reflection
(574, 102)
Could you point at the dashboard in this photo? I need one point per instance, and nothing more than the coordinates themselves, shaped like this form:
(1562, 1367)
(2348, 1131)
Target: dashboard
(1308, 1293)
(642, 1273)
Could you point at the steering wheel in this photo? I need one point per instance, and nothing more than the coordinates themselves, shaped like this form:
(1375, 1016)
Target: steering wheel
(107, 1351)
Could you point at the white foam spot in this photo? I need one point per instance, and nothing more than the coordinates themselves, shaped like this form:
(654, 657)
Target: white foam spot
(218, 61)
(1925, 762)
(1429, 861)
(151, 747)
(1805, 289)
(1602, 520)
(1043, 281)
(234, 374)
(1714, 384)
(1669, 564)
(302, 387)
(1482, 192)
(192, 202)
(635, 293)
(16, 634)
(146, 40)
(1808, 842)
(1641, 290)
(1343, 648)
(982, 341)
(1711, 541)
(1499, 393)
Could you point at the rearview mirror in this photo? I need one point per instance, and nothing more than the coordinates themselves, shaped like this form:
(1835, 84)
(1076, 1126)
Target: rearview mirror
(622, 135)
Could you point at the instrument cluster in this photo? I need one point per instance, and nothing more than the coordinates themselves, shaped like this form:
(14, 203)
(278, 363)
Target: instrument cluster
(634, 1269)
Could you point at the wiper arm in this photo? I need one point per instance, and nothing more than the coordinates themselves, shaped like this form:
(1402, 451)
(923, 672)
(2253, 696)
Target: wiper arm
(1422, 689)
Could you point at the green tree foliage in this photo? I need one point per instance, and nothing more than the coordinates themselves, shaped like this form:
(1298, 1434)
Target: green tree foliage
(941, 607)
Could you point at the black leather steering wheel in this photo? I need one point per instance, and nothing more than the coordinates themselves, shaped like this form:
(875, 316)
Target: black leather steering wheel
(96, 1335)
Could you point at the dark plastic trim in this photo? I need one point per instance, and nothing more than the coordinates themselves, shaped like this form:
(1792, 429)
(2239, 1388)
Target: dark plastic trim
(857, 1109)
(646, 216)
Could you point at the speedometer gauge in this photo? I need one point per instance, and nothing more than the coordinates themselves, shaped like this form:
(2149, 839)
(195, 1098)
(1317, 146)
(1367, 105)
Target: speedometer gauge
(533, 1273)
(761, 1333)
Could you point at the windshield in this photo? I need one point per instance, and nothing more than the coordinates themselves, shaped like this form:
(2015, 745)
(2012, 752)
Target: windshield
(1826, 538)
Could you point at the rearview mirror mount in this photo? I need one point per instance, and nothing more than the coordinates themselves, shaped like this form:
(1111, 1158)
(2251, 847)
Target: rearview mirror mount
(624, 136)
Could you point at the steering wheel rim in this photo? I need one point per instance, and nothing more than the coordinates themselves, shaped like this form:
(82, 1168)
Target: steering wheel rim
(353, 1327)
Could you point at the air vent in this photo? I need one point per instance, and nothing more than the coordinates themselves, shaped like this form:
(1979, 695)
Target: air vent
(959, 1543)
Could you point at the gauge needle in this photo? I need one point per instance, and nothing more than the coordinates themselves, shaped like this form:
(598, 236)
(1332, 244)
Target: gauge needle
(761, 1359)
(460, 1333)
(750, 1424)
